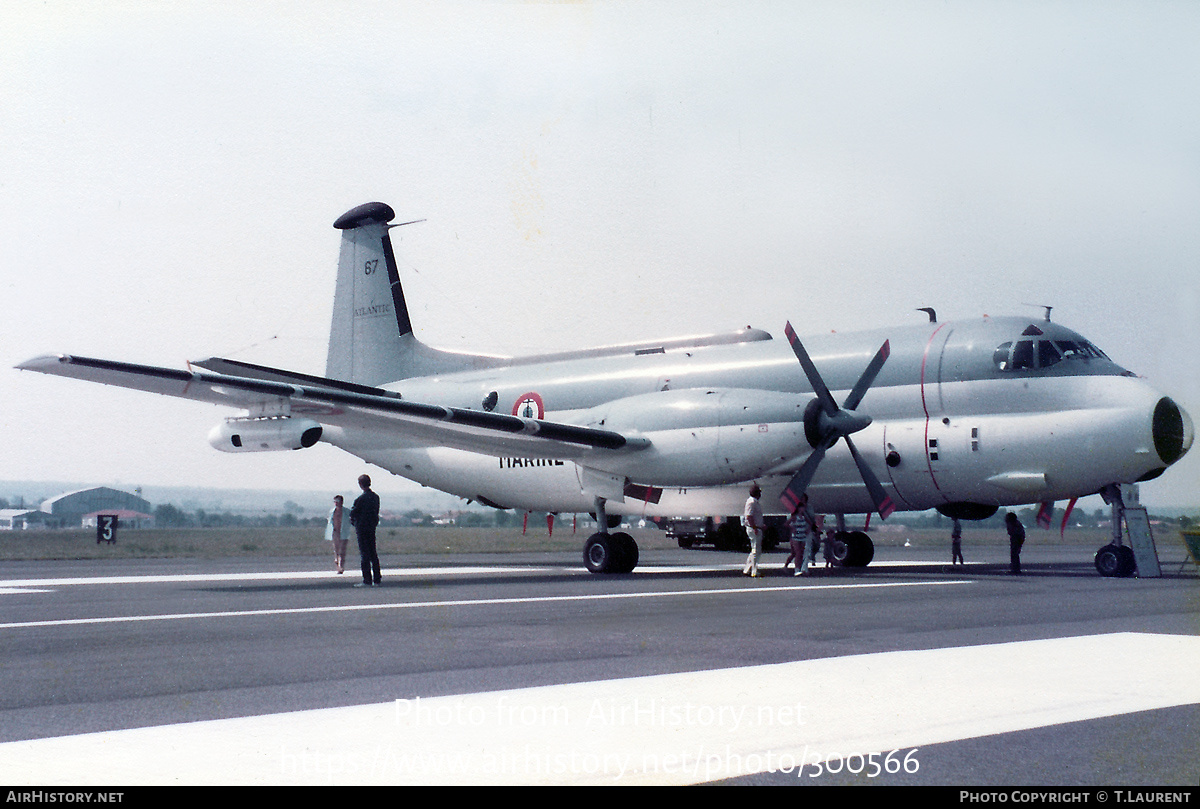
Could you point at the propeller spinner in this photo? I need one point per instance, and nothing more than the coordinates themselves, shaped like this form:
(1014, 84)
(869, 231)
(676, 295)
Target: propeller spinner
(825, 423)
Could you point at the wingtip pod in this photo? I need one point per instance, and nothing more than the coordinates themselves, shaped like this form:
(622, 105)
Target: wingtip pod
(366, 214)
(44, 362)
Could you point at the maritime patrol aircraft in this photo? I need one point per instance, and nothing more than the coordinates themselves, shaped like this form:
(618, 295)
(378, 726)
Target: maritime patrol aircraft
(965, 417)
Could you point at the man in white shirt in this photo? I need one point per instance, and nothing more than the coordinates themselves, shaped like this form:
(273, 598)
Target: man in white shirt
(752, 518)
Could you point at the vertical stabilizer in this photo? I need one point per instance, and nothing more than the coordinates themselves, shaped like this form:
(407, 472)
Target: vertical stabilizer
(371, 340)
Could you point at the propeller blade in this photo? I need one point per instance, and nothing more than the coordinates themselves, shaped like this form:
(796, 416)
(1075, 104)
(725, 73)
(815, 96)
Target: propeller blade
(810, 371)
(837, 422)
(868, 376)
(799, 483)
(883, 503)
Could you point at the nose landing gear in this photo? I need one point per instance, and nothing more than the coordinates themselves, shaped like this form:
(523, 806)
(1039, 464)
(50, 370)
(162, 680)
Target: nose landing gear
(1115, 561)
(1140, 557)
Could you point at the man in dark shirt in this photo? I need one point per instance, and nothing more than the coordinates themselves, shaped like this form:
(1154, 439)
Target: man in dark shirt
(364, 516)
(1016, 538)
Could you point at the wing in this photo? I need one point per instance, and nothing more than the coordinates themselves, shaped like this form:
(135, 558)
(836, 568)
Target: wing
(354, 407)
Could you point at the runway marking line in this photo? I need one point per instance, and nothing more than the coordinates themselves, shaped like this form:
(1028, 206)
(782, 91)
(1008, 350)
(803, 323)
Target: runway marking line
(408, 605)
(172, 578)
(16, 585)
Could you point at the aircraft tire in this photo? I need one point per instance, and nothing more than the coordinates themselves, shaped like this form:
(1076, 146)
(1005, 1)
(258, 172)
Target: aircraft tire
(599, 553)
(1115, 561)
(626, 552)
(841, 548)
(1130, 564)
(852, 549)
(864, 549)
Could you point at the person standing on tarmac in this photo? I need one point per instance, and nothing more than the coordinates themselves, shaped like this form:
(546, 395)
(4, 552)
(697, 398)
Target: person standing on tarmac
(803, 528)
(364, 516)
(1016, 538)
(752, 518)
(333, 532)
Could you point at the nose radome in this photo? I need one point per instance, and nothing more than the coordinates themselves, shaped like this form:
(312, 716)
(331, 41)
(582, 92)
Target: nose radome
(1173, 431)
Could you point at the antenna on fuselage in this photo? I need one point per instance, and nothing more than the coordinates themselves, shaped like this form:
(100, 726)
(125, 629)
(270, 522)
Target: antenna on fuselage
(929, 311)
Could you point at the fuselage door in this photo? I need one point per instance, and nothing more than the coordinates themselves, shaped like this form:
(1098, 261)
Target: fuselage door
(910, 465)
(916, 450)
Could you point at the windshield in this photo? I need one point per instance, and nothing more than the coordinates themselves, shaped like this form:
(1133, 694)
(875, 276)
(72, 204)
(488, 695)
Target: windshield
(1021, 355)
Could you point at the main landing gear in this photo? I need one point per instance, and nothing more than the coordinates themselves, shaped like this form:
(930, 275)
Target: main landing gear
(852, 549)
(609, 553)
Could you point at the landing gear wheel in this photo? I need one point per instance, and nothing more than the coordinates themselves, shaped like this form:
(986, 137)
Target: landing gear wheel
(610, 553)
(841, 552)
(864, 549)
(599, 553)
(1115, 561)
(852, 549)
(1130, 564)
(626, 552)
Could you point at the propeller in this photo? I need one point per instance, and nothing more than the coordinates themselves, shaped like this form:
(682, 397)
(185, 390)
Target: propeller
(825, 423)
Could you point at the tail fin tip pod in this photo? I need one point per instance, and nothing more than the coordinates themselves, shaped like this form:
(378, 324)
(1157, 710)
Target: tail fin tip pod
(368, 213)
(370, 339)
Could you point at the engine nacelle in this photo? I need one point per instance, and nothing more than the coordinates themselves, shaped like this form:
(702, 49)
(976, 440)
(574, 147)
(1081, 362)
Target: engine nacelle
(265, 434)
(707, 436)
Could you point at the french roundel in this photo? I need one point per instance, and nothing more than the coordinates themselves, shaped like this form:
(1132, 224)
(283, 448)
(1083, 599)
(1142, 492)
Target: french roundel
(529, 406)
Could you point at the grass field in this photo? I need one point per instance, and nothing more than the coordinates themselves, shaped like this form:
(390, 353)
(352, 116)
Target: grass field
(215, 543)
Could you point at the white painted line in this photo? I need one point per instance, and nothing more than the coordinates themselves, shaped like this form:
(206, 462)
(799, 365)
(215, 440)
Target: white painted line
(351, 576)
(666, 729)
(469, 602)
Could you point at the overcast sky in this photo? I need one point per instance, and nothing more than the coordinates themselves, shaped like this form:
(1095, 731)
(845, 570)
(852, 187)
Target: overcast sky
(590, 173)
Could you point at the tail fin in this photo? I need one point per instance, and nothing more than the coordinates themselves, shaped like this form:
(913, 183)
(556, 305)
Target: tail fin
(371, 340)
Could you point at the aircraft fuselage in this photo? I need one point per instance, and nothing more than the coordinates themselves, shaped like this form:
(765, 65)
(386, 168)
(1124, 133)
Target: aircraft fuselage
(996, 411)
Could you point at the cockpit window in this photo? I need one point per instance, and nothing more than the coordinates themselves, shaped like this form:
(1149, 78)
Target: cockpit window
(1003, 357)
(1022, 356)
(1026, 354)
(1071, 349)
(1047, 353)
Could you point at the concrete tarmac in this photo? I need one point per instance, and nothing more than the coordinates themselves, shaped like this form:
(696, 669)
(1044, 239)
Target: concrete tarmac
(527, 669)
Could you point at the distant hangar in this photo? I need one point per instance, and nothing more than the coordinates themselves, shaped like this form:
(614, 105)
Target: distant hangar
(79, 509)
